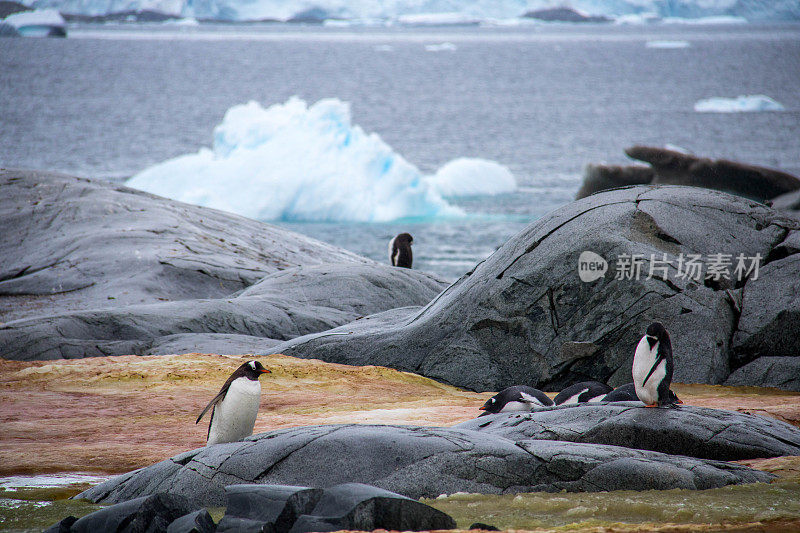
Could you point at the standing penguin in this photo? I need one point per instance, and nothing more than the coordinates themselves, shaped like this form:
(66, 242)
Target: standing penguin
(653, 366)
(400, 250)
(516, 398)
(235, 408)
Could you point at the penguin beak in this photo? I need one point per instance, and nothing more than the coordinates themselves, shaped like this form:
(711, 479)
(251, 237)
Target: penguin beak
(265, 371)
(482, 408)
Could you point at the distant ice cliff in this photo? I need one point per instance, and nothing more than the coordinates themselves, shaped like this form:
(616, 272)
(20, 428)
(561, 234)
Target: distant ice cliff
(443, 11)
(297, 162)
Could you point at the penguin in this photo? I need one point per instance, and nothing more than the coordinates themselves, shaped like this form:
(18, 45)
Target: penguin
(627, 393)
(235, 408)
(585, 391)
(653, 366)
(516, 398)
(400, 250)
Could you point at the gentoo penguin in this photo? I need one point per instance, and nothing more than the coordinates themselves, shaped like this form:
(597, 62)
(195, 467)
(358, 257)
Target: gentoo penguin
(652, 367)
(627, 393)
(516, 398)
(400, 250)
(585, 391)
(235, 408)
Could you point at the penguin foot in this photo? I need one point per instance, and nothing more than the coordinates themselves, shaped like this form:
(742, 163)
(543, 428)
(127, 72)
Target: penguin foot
(651, 405)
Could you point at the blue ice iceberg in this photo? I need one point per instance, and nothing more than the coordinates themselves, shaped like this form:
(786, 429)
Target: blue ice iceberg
(740, 104)
(297, 162)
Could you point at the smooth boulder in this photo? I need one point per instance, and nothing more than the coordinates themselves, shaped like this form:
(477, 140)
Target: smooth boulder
(687, 430)
(415, 462)
(524, 315)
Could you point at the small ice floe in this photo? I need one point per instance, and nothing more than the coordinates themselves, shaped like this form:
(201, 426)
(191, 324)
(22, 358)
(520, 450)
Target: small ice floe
(383, 48)
(184, 22)
(438, 19)
(667, 45)
(467, 176)
(441, 47)
(740, 104)
(679, 149)
(49, 480)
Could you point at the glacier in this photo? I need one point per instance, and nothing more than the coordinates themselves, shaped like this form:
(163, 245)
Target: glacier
(428, 11)
(295, 162)
(740, 104)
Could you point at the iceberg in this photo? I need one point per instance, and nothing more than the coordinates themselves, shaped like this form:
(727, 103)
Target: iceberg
(740, 104)
(473, 177)
(38, 23)
(296, 162)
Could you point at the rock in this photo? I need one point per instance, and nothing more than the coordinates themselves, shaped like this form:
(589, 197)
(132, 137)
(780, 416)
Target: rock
(516, 318)
(196, 522)
(356, 506)
(780, 372)
(563, 14)
(412, 461)
(670, 167)
(89, 274)
(63, 526)
(152, 513)
(483, 527)
(769, 325)
(691, 431)
(266, 507)
(598, 178)
(789, 201)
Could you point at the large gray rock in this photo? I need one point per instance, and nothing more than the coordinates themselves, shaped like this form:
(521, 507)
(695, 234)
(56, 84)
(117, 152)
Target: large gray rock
(86, 244)
(416, 462)
(524, 316)
(693, 431)
(153, 513)
(670, 167)
(780, 372)
(90, 252)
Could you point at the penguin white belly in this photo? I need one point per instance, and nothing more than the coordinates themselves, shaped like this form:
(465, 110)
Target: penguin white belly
(574, 398)
(643, 361)
(511, 407)
(392, 253)
(235, 416)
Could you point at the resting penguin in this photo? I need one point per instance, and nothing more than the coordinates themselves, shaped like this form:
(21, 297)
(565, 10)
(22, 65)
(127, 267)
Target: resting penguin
(400, 250)
(235, 408)
(627, 393)
(653, 366)
(516, 398)
(585, 391)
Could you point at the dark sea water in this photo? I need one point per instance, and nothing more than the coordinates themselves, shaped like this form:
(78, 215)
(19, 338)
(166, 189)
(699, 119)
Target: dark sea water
(110, 101)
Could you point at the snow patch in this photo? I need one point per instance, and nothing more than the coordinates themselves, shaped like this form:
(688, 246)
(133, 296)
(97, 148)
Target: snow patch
(740, 104)
(298, 162)
(49, 480)
(473, 177)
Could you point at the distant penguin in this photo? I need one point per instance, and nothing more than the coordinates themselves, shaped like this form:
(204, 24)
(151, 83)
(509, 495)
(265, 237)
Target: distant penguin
(235, 408)
(653, 366)
(400, 250)
(516, 398)
(627, 393)
(585, 391)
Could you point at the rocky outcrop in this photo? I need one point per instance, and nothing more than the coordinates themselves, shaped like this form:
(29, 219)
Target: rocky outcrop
(525, 316)
(563, 14)
(670, 167)
(99, 269)
(779, 372)
(693, 431)
(416, 462)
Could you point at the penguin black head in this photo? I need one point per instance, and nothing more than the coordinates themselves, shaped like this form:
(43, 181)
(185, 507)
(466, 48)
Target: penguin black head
(251, 370)
(656, 332)
(405, 237)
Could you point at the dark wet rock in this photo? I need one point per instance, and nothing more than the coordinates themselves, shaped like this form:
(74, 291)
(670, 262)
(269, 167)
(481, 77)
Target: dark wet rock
(524, 316)
(483, 527)
(63, 526)
(412, 461)
(693, 431)
(563, 14)
(197, 522)
(252, 507)
(780, 372)
(152, 513)
(769, 325)
(356, 506)
(89, 251)
(670, 167)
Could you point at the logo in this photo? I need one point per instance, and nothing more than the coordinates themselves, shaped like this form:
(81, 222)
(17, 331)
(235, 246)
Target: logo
(591, 266)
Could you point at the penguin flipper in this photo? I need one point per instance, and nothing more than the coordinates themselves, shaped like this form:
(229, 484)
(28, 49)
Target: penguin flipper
(660, 358)
(218, 398)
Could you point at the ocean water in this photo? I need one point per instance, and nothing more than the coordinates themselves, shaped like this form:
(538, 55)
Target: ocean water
(110, 101)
